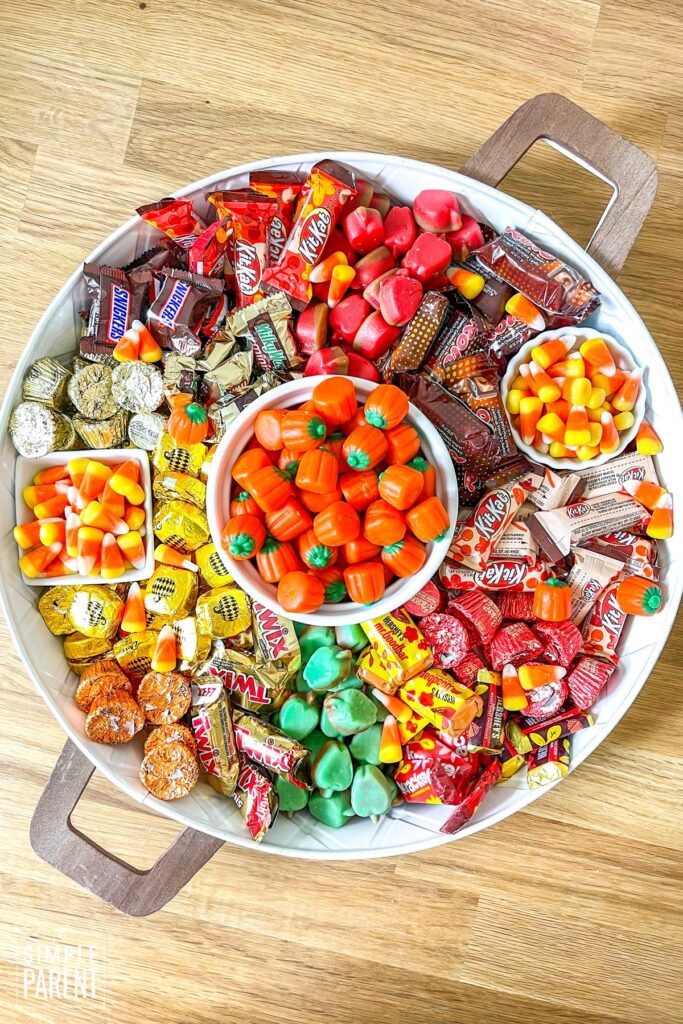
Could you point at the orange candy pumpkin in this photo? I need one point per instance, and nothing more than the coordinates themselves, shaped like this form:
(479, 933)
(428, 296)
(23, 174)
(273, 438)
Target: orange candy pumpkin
(300, 592)
(268, 428)
(400, 486)
(359, 489)
(365, 582)
(313, 552)
(335, 399)
(428, 476)
(360, 550)
(288, 522)
(188, 422)
(337, 524)
(406, 557)
(333, 581)
(269, 488)
(249, 462)
(244, 505)
(365, 447)
(302, 430)
(318, 472)
(288, 462)
(275, 559)
(243, 536)
(403, 443)
(386, 407)
(357, 420)
(383, 523)
(428, 520)
(317, 502)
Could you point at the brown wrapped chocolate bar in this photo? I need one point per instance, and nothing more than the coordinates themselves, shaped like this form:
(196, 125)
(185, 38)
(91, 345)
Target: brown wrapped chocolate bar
(266, 325)
(115, 304)
(271, 748)
(179, 309)
(210, 715)
(257, 799)
(424, 327)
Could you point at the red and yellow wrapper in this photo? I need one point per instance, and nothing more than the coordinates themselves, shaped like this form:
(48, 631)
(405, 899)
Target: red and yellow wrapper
(447, 704)
(250, 214)
(473, 544)
(399, 644)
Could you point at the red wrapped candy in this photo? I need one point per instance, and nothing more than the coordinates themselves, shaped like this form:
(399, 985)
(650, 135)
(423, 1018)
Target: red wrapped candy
(469, 668)
(513, 644)
(562, 641)
(250, 214)
(176, 218)
(475, 794)
(517, 606)
(587, 679)
(478, 611)
(545, 701)
(447, 637)
(428, 600)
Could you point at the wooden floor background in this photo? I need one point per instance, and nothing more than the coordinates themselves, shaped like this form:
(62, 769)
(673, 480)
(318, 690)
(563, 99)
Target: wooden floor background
(569, 912)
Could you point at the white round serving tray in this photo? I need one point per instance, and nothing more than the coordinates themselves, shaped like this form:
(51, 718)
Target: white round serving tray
(409, 827)
(238, 435)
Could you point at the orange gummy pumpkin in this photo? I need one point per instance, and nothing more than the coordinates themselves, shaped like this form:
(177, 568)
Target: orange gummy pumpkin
(300, 592)
(383, 524)
(244, 505)
(428, 476)
(288, 462)
(335, 399)
(365, 447)
(365, 582)
(288, 522)
(403, 443)
(269, 488)
(302, 430)
(337, 524)
(357, 420)
(313, 552)
(275, 559)
(188, 422)
(243, 536)
(247, 463)
(334, 443)
(268, 428)
(386, 406)
(359, 489)
(318, 471)
(638, 596)
(552, 600)
(428, 520)
(401, 486)
(405, 557)
(333, 581)
(317, 502)
(360, 550)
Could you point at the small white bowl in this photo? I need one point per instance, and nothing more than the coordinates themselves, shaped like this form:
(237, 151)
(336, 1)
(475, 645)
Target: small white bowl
(220, 484)
(624, 361)
(26, 469)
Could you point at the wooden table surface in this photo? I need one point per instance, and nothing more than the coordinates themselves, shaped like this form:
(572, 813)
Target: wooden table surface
(568, 912)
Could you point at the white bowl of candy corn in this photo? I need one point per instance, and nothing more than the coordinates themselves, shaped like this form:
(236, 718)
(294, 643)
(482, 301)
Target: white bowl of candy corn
(574, 397)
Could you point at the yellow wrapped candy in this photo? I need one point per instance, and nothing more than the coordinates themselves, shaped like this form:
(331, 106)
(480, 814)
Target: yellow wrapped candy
(169, 454)
(181, 525)
(448, 704)
(54, 604)
(212, 568)
(168, 486)
(78, 647)
(171, 591)
(95, 610)
(134, 652)
(223, 612)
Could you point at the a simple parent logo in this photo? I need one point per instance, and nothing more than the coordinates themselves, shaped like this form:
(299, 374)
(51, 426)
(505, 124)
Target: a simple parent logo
(60, 969)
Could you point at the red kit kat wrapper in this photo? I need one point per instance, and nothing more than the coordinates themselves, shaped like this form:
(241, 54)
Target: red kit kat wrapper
(176, 218)
(284, 187)
(250, 214)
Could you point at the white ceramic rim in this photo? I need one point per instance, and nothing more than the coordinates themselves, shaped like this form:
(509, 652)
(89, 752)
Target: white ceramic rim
(520, 798)
(623, 356)
(347, 612)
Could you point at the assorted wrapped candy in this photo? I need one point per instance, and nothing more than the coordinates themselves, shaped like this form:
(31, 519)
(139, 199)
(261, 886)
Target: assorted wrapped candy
(496, 662)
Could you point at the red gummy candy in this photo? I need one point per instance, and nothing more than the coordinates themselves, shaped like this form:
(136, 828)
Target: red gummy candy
(513, 644)
(562, 641)
(427, 256)
(447, 637)
(400, 230)
(478, 611)
(587, 679)
(466, 239)
(364, 229)
(347, 316)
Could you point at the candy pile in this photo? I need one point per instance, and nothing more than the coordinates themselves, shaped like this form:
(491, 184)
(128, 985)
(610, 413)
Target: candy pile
(497, 661)
(573, 404)
(88, 520)
(360, 473)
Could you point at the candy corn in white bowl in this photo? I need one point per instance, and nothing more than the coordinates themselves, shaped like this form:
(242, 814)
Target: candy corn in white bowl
(574, 398)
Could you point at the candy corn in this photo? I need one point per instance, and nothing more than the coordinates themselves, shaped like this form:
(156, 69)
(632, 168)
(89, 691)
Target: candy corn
(394, 706)
(27, 535)
(97, 515)
(530, 410)
(111, 558)
(609, 442)
(127, 348)
(390, 741)
(647, 440)
(51, 507)
(95, 476)
(165, 656)
(514, 399)
(531, 676)
(51, 474)
(644, 491)
(661, 525)
(544, 386)
(577, 431)
(552, 351)
(134, 616)
(624, 420)
(169, 556)
(149, 351)
(577, 390)
(572, 366)
(596, 352)
(514, 697)
(135, 517)
(625, 398)
(76, 469)
(52, 530)
(467, 283)
(551, 426)
(89, 544)
(340, 281)
(115, 503)
(132, 547)
(35, 562)
(125, 482)
(523, 309)
(323, 271)
(73, 525)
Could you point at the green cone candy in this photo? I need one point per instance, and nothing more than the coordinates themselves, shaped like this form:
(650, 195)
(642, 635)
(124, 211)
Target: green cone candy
(334, 811)
(314, 742)
(326, 726)
(292, 798)
(364, 746)
(350, 711)
(313, 637)
(332, 769)
(351, 638)
(328, 666)
(371, 792)
(298, 716)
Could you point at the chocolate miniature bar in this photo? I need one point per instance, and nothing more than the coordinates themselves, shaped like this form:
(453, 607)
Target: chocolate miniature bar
(418, 336)
(266, 325)
(115, 303)
(175, 217)
(284, 187)
(256, 797)
(250, 215)
(175, 317)
(590, 574)
(606, 479)
(561, 529)
(271, 748)
(476, 538)
(211, 720)
(548, 764)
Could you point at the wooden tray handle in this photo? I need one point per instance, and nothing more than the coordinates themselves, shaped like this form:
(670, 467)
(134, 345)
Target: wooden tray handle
(589, 142)
(133, 892)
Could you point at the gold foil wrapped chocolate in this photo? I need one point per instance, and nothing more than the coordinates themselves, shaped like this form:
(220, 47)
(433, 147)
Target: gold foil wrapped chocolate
(111, 433)
(171, 591)
(212, 568)
(46, 381)
(36, 430)
(145, 430)
(134, 652)
(178, 458)
(181, 525)
(261, 688)
(95, 610)
(90, 390)
(53, 605)
(211, 719)
(169, 486)
(223, 612)
(137, 387)
(78, 647)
